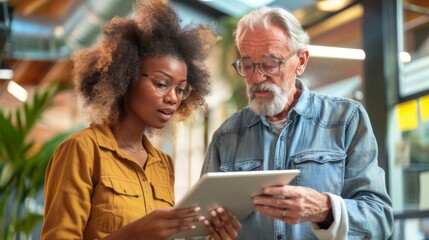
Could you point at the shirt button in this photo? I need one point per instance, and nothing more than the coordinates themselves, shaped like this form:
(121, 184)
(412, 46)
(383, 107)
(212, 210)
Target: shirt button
(280, 236)
(320, 157)
(149, 210)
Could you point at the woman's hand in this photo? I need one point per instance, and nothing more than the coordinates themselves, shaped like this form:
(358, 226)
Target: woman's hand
(160, 224)
(223, 225)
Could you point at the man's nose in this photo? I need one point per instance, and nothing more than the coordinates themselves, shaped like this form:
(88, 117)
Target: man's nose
(258, 76)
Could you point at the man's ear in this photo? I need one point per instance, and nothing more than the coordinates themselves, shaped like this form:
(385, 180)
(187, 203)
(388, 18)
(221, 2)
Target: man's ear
(303, 56)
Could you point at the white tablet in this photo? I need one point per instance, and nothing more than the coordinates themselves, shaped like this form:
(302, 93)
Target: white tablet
(231, 190)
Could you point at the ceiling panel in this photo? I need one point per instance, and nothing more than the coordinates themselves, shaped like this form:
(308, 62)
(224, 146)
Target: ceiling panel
(240, 7)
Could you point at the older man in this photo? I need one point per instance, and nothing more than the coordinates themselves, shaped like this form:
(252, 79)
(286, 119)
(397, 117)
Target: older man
(340, 192)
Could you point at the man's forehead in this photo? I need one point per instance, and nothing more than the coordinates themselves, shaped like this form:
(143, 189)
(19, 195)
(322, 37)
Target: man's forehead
(262, 45)
(258, 36)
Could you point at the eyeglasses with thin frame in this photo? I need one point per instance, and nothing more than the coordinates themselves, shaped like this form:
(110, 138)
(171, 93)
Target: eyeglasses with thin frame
(269, 66)
(163, 86)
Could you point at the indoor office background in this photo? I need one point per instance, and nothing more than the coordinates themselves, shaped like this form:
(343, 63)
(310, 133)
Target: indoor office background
(373, 51)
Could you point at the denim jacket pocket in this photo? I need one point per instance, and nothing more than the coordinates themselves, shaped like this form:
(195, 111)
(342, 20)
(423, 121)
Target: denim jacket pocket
(320, 170)
(243, 165)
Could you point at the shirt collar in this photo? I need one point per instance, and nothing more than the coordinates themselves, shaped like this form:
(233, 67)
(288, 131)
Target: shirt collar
(104, 136)
(303, 106)
(105, 139)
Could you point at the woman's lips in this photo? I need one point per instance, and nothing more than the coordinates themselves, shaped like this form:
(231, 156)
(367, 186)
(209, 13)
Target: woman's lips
(166, 114)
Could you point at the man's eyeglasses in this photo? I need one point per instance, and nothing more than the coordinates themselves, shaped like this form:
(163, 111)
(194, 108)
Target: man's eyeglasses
(268, 66)
(163, 86)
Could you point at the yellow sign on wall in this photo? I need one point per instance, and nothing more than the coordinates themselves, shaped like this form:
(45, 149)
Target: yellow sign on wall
(424, 108)
(408, 115)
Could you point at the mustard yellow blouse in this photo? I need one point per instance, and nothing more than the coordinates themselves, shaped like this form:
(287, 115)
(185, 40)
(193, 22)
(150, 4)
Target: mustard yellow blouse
(92, 188)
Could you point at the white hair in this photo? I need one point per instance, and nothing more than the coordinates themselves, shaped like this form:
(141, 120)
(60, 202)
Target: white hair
(267, 16)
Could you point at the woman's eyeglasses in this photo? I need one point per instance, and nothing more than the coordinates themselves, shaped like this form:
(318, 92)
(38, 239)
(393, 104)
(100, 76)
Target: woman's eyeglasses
(268, 66)
(163, 86)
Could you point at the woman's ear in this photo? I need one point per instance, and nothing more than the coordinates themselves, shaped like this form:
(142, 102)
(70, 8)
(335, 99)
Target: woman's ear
(303, 56)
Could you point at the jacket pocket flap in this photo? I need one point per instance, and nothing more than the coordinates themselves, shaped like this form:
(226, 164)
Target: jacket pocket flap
(163, 193)
(318, 156)
(245, 165)
(121, 186)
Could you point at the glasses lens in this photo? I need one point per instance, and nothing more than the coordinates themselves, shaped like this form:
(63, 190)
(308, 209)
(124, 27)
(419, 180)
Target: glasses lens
(244, 67)
(163, 86)
(183, 91)
(269, 66)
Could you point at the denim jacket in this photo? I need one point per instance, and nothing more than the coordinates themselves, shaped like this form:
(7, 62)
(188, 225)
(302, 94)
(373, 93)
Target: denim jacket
(330, 140)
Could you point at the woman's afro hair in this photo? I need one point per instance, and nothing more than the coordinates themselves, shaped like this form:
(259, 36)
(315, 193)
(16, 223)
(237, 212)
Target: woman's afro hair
(104, 73)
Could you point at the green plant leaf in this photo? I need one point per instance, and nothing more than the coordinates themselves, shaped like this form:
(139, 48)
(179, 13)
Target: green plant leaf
(7, 173)
(27, 222)
(22, 173)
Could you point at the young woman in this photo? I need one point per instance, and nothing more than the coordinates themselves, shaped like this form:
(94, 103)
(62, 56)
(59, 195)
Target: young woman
(108, 181)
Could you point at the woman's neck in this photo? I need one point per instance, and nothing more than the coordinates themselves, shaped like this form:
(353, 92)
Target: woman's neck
(128, 134)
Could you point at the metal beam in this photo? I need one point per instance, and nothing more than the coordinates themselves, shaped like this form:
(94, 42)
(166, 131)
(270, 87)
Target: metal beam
(382, 21)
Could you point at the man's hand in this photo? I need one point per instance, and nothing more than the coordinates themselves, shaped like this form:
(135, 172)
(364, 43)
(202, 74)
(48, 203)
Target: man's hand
(293, 204)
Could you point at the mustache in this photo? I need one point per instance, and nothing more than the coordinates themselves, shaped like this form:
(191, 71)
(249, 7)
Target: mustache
(264, 86)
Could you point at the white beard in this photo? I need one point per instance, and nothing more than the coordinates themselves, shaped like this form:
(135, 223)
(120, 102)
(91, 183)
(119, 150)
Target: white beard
(267, 106)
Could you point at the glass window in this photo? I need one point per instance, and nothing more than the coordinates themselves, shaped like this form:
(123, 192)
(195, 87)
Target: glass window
(410, 164)
(408, 170)
(415, 55)
(415, 228)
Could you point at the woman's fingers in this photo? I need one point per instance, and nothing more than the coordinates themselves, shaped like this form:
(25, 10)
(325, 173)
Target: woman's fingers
(223, 224)
(187, 211)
